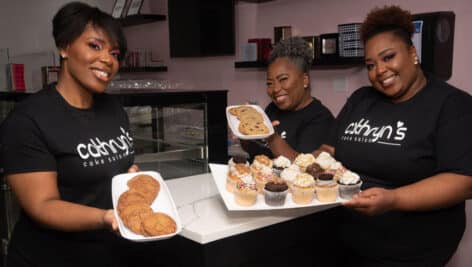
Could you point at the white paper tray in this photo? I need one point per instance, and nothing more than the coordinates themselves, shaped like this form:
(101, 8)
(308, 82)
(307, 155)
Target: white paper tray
(233, 123)
(163, 203)
(219, 173)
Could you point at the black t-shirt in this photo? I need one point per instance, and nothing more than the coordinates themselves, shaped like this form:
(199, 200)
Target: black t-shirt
(391, 145)
(86, 147)
(304, 130)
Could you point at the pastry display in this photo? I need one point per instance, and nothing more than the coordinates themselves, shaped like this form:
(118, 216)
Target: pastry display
(326, 188)
(275, 192)
(349, 184)
(134, 208)
(303, 188)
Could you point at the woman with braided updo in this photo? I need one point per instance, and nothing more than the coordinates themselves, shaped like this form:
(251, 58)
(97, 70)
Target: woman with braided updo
(408, 136)
(300, 120)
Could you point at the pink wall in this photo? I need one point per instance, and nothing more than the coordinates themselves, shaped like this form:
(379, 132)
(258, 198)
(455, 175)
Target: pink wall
(32, 34)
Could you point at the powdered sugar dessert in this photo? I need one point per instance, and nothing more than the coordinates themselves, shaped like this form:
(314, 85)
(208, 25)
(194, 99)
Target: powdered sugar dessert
(349, 184)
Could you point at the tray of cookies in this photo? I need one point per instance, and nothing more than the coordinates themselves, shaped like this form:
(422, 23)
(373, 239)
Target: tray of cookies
(144, 207)
(267, 184)
(249, 122)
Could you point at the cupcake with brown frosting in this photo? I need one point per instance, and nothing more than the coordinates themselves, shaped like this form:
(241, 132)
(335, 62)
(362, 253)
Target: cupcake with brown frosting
(275, 192)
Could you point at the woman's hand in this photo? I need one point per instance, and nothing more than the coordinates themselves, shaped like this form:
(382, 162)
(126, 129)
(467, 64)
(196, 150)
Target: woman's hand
(372, 201)
(109, 221)
(133, 168)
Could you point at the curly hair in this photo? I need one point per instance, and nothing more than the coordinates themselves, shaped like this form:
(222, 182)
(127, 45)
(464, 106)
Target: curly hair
(296, 49)
(388, 19)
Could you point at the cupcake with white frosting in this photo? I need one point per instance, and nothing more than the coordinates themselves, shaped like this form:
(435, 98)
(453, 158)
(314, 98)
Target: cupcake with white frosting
(237, 173)
(289, 174)
(349, 184)
(279, 164)
(303, 189)
(325, 160)
(303, 160)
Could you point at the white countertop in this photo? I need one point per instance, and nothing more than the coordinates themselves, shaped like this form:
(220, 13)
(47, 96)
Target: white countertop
(204, 215)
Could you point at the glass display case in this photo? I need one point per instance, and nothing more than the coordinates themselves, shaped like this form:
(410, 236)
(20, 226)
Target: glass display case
(170, 139)
(176, 132)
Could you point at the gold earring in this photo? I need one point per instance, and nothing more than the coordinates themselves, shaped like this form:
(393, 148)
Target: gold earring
(416, 60)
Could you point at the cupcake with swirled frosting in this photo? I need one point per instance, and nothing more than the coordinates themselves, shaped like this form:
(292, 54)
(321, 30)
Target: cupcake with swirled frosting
(289, 174)
(325, 160)
(303, 160)
(261, 169)
(275, 192)
(303, 188)
(349, 184)
(237, 173)
(279, 164)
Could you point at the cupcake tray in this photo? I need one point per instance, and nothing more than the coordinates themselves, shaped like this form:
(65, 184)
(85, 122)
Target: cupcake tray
(219, 173)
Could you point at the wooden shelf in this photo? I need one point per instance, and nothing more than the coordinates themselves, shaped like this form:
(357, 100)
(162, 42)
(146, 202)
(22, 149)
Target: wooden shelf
(141, 19)
(322, 63)
(143, 69)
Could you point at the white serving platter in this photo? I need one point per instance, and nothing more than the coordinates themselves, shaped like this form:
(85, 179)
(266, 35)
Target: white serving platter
(219, 173)
(163, 203)
(233, 123)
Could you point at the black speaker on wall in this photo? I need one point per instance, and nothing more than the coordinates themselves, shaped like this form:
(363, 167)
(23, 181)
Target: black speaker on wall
(437, 42)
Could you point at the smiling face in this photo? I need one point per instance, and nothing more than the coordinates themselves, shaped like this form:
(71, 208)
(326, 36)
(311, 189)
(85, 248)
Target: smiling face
(90, 61)
(391, 67)
(287, 85)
